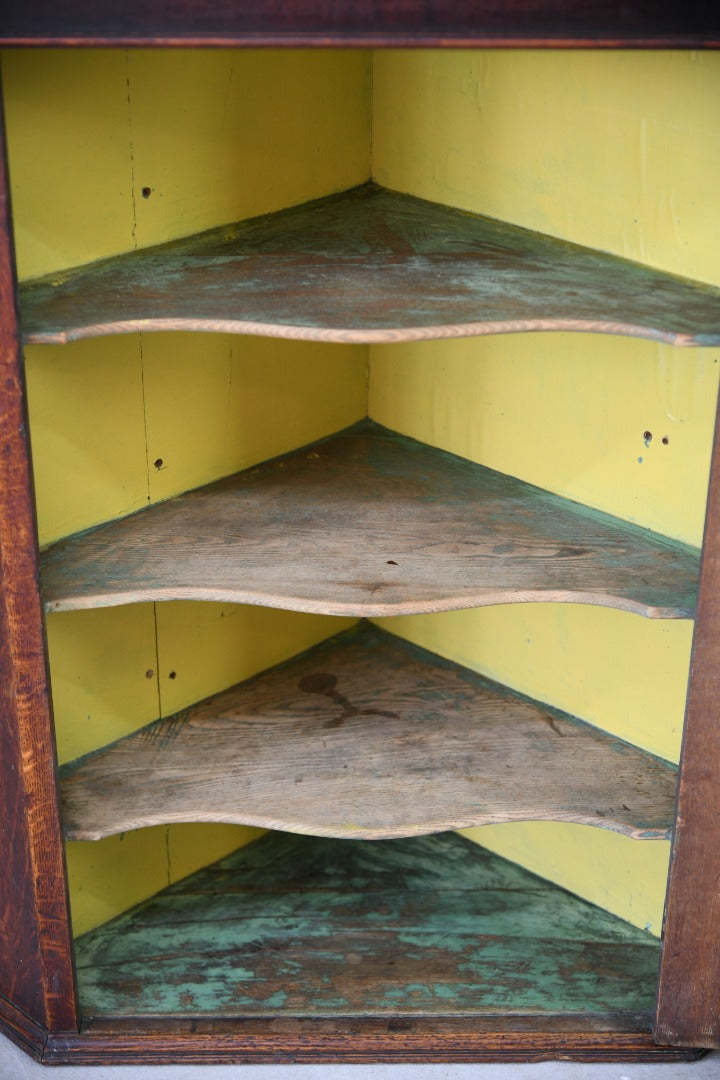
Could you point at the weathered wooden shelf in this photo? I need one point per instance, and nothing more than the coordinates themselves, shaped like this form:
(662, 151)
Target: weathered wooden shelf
(367, 736)
(370, 523)
(369, 265)
(295, 926)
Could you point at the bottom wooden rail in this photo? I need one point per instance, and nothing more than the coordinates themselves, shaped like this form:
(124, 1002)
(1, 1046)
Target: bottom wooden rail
(361, 1040)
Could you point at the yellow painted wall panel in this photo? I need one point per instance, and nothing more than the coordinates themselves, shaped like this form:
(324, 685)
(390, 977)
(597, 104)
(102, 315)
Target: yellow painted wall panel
(70, 172)
(104, 677)
(87, 430)
(617, 873)
(568, 412)
(108, 876)
(213, 136)
(219, 135)
(621, 672)
(205, 647)
(216, 404)
(617, 150)
(209, 136)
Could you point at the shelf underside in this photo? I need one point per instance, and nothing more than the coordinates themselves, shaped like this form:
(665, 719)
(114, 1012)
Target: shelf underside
(369, 266)
(367, 736)
(370, 523)
(294, 926)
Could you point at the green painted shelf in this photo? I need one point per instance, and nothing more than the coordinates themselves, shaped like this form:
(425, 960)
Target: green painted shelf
(369, 265)
(295, 926)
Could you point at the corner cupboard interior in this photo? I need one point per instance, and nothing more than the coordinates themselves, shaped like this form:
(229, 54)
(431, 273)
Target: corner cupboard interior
(566, 612)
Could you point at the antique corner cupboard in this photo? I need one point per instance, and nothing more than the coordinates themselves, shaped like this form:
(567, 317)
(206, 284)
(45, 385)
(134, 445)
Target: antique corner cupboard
(361, 927)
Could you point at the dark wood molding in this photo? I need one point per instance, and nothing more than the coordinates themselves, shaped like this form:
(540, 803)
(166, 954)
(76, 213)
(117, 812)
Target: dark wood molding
(689, 986)
(21, 1030)
(557, 23)
(358, 1041)
(35, 948)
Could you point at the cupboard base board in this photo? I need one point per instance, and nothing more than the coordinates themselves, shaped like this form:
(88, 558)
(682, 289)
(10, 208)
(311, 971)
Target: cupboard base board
(357, 1041)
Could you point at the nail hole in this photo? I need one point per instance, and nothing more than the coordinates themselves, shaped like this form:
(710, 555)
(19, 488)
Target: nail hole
(647, 437)
(149, 673)
(391, 562)
(665, 440)
(158, 463)
(146, 191)
(172, 675)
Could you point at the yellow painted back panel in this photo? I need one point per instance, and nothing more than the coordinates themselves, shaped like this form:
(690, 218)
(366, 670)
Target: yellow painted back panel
(618, 151)
(111, 150)
(211, 136)
(120, 422)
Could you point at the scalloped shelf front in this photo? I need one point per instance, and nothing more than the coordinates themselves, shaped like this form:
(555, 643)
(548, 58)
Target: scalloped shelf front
(367, 736)
(369, 265)
(370, 523)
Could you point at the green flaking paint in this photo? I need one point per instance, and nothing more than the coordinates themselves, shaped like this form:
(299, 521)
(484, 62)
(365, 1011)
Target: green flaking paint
(294, 925)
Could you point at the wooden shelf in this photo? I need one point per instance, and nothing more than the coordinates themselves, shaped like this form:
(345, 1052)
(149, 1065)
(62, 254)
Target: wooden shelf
(369, 266)
(294, 926)
(370, 523)
(369, 737)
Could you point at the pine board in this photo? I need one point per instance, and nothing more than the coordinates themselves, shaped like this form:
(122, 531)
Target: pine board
(295, 926)
(369, 265)
(368, 736)
(370, 523)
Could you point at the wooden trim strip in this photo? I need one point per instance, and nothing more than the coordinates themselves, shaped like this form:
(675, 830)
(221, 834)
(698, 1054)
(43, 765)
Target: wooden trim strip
(594, 23)
(21, 1030)
(689, 986)
(356, 1041)
(35, 947)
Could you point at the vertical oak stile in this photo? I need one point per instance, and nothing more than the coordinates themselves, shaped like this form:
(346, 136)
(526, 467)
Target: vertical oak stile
(36, 973)
(688, 1010)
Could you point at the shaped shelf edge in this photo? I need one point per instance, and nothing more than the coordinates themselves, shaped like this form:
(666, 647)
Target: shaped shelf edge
(369, 265)
(371, 523)
(367, 736)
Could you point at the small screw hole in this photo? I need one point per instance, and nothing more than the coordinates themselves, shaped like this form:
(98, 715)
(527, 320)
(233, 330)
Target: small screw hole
(647, 436)
(149, 673)
(665, 440)
(146, 192)
(172, 675)
(158, 463)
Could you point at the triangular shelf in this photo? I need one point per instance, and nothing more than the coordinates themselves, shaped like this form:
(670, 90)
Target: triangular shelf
(369, 265)
(292, 926)
(367, 736)
(371, 523)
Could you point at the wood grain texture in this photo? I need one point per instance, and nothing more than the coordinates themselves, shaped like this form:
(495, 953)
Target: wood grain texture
(35, 950)
(433, 926)
(361, 1040)
(368, 736)
(370, 266)
(689, 985)
(371, 523)
(20, 1029)
(558, 23)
